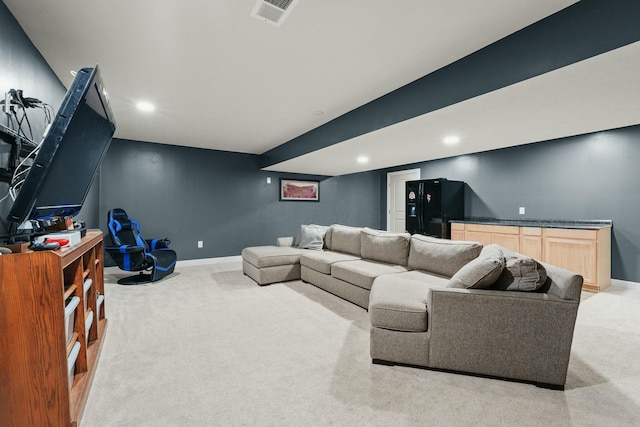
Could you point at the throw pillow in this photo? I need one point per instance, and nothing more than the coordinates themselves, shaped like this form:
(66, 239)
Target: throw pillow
(482, 272)
(311, 236)
(521, 273)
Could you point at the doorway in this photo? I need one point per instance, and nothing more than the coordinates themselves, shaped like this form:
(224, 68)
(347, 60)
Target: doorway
(396, 203)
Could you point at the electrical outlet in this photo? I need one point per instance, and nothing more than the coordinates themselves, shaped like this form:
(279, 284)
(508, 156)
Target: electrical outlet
(268, 180)
(200, 244)
(521, 211)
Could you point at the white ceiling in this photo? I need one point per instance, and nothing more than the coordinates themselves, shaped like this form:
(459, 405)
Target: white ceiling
(599, 93)
(224, 80)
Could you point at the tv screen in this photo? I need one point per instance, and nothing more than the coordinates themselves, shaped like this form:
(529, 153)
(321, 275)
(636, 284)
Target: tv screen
(70, 155)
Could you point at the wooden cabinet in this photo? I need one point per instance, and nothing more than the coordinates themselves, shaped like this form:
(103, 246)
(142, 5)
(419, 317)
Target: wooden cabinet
(584, 251)
(531, 242)
(457, 231)
(506, 236)
(34, 343)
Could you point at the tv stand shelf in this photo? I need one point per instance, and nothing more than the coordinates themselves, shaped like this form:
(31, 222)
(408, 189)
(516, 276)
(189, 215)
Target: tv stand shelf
(34, 347)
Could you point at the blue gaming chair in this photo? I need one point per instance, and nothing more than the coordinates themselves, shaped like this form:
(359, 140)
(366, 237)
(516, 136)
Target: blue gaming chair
(133, 253)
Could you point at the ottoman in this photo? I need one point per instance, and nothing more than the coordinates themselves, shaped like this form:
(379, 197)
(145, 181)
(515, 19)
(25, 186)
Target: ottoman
(271, 264)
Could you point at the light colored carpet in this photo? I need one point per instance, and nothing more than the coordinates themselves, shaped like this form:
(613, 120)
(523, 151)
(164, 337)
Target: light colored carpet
(207, 346)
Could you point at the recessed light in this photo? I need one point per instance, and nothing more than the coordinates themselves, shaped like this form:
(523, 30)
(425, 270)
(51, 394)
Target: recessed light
(452, 139)
(73, 72)
(145, 106)
(363, 159)
(317, 112)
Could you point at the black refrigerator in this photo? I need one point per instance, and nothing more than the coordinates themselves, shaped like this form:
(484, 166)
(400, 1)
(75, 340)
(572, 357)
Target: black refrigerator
(431, 204)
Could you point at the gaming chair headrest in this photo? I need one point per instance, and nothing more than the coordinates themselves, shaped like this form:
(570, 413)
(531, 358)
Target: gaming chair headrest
(120, 220)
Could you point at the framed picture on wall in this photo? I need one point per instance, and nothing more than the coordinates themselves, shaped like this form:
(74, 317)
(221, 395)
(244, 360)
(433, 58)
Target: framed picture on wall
(308, 191)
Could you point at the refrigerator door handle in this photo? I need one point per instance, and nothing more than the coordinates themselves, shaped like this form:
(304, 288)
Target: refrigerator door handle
(420, 207)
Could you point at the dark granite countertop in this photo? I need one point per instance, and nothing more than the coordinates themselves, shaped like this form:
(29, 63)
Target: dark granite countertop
(542, 223)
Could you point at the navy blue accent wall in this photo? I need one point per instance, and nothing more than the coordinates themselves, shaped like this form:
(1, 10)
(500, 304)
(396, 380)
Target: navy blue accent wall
(221, 198)
(22, 67)
(593, 176)
(583, 30)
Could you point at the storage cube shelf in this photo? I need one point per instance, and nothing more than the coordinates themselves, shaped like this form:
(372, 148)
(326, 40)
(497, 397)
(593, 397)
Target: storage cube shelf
(69, 316)
(86, 287)
(53, 333)
(71, 363)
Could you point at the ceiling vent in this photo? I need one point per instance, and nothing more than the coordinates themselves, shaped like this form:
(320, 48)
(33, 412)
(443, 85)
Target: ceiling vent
(273, 11)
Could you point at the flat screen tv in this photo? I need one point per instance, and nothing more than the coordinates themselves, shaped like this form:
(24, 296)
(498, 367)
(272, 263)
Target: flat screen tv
(70, 155)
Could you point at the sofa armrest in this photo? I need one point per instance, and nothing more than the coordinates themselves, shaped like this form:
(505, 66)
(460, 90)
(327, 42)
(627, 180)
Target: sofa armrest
(285, 241)
(520, 335)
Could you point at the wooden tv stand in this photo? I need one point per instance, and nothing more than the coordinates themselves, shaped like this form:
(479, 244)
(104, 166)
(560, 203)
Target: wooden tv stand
(34, 379)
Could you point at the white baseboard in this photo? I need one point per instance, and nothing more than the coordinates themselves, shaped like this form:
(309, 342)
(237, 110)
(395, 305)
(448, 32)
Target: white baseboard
(624, 284)
(238, 258)
(187, 263)
(205, 261)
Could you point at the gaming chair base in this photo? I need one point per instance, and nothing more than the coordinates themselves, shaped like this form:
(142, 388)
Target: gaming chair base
(138, 279)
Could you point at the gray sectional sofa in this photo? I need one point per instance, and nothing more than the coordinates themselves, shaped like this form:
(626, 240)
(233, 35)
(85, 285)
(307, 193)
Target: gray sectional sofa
(438, 303)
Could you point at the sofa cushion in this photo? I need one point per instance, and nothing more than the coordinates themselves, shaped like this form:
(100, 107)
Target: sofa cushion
(482, 272)
(345, 239)
(383, 246)
(521, 273)
(311, 237)
(321, 260)
(399, 301)
(269, 256)
(441, 256)
(432, 279)
(362, 272)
